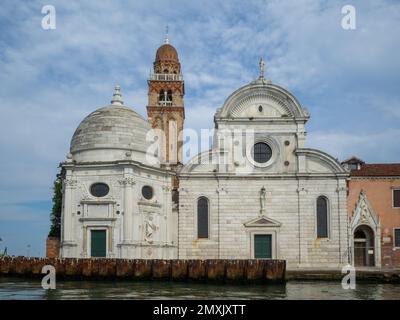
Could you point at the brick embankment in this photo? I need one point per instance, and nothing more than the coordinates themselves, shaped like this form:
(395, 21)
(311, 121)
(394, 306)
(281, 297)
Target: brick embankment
(225, 271)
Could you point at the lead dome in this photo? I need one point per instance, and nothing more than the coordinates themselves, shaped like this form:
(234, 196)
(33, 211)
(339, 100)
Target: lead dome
(113, 132)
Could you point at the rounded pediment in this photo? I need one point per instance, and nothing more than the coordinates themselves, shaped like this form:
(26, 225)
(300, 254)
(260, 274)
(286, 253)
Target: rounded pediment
(261, 99)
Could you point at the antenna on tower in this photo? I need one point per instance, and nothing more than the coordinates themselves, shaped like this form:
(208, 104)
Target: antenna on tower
(166, 34)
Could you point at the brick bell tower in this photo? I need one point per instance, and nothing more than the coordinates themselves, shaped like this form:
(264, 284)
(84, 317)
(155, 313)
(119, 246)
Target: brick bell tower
(165, 107)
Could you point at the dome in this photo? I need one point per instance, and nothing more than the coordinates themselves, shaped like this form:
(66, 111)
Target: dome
(113, 132)
(167, 52)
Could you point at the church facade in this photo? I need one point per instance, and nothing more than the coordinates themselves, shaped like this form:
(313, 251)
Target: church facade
(258, 193)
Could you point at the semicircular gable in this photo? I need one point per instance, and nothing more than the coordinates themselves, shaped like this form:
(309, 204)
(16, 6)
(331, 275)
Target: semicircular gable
(272, 105)
(273, 100)
(320, 162)
(203, 162)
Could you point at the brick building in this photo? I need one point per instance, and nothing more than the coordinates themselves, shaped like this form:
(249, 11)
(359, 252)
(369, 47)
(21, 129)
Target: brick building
(374, 212)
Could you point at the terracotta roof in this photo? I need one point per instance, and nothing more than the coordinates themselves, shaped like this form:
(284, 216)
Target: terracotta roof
(377, 170)
(167, 52)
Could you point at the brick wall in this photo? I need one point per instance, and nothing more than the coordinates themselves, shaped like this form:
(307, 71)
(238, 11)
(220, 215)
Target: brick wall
(52, 247)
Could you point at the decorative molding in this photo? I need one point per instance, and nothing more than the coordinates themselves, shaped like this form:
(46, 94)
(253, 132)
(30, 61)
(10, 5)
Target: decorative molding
(221, 190)
(127, 181)
(97, 219)
(364, 214)
(302, 190)
(262, 221)
(148, 203)
(99, 201)
(149, 227)
(341, 189)
(263, 93)
(70, 182)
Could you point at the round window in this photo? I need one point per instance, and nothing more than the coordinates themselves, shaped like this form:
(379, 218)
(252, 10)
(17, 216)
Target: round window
(147, 192)
(99, 189)
(261, 152)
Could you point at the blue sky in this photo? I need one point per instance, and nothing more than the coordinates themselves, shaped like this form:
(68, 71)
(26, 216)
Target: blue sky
(51, 79)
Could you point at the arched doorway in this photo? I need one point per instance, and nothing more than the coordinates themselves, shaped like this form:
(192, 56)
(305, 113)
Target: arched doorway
(364, 246)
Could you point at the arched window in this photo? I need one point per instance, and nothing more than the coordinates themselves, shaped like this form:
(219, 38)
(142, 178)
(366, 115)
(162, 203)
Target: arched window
(322, 217)
(202, 217)
(162, 95)
(169, 95)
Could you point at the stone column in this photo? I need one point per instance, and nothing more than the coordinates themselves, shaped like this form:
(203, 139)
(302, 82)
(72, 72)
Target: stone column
(303, 233)
(69, 185)
(166, 235)
(128, 184)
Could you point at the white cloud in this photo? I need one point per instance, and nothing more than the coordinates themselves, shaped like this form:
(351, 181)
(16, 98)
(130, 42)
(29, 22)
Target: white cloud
(345, 144)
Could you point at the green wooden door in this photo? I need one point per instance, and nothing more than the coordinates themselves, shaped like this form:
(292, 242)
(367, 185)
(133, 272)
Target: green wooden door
(98, 243)
(262, 246)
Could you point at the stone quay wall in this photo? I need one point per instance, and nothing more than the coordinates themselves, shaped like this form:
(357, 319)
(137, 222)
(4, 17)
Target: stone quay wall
(221, 271)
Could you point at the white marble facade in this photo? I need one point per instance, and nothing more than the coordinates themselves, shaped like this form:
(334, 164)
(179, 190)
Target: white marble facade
(245, 198)
(109, 147)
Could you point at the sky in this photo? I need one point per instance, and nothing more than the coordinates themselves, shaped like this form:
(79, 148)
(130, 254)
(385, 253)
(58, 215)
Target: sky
(51, 79)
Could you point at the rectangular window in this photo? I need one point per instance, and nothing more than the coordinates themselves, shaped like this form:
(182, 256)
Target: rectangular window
(397, 237)
(396, 198)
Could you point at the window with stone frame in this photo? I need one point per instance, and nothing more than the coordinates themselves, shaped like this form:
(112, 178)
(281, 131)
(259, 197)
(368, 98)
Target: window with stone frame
(322, 217)
(396, 237)
(396, 198)
(202, 218)
(262, 152)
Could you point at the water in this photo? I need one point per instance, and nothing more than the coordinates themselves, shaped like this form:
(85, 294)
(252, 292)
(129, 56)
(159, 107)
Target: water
(16, 288)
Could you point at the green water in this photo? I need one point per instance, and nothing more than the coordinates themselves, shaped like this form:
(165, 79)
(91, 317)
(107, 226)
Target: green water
(16, 288)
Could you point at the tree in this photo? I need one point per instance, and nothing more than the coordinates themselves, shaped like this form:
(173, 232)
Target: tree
(55, 217)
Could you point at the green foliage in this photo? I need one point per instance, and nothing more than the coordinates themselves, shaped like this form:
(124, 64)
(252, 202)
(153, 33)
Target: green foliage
(55, 217)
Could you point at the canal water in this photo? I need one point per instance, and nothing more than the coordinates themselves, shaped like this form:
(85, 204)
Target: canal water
(16, 288)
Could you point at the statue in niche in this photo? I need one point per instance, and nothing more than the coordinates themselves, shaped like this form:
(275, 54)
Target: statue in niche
(263, 196)
(149, 229)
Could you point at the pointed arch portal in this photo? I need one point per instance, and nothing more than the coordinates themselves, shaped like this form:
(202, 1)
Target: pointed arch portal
(364, 246)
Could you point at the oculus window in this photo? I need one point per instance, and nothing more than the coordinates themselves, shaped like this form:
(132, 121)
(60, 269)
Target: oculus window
(261, 152)
(147, 192)
(99, 190)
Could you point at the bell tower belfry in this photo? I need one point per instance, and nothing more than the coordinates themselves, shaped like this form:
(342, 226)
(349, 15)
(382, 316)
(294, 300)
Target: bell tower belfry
(165, 107)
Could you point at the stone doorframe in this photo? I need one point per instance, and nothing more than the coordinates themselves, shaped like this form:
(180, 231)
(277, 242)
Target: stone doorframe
(263, 225)
(364, 214)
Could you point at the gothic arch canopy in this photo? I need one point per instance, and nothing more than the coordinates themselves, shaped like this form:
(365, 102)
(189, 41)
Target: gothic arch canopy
(262, 99)
(364, 214)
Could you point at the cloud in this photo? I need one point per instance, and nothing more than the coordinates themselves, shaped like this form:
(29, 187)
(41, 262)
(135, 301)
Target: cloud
(342, 145)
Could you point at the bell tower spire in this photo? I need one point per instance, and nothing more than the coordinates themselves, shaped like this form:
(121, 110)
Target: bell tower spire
(165, 107)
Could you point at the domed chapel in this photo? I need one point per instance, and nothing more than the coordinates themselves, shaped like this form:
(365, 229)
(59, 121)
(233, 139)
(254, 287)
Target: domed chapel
(258, 193)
